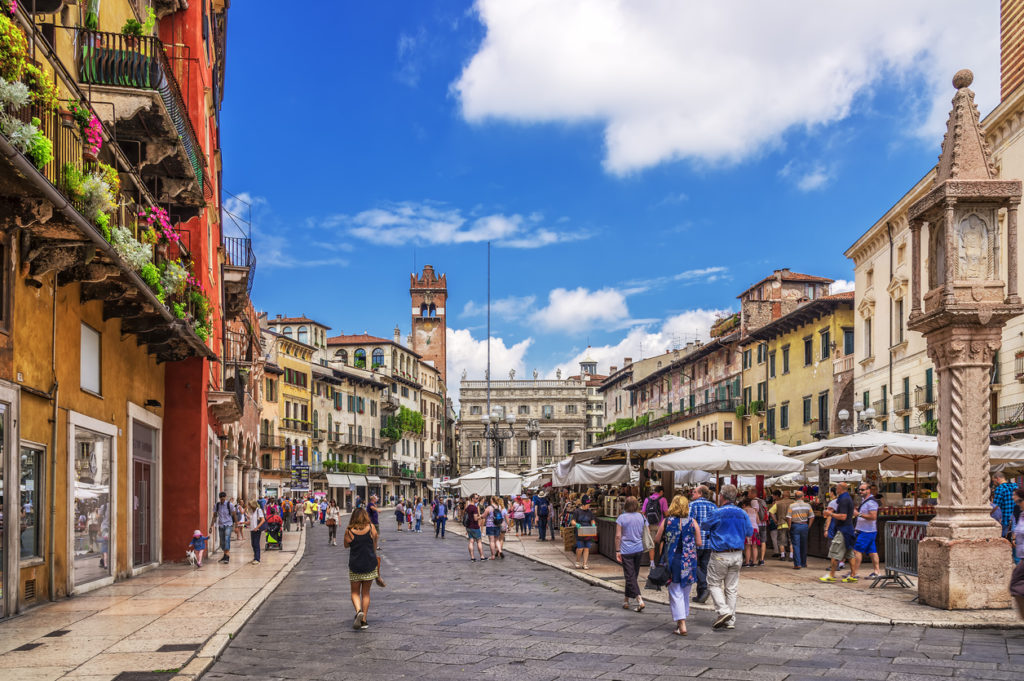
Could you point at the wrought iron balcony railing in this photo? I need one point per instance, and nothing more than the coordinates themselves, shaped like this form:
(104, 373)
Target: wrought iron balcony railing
(117, 60)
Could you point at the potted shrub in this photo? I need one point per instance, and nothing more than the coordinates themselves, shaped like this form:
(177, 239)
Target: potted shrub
(132, 31)
(93, 140)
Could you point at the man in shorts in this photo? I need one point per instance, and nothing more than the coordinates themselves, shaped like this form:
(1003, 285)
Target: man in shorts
(866, 532)
(842, 544)
(473, 526)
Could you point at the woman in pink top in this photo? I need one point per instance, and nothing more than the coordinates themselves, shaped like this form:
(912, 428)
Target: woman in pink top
(752, 545)
(519, 515)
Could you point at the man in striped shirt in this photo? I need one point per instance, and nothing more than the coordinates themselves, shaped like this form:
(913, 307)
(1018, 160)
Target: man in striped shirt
(800, 517)
(700, 508)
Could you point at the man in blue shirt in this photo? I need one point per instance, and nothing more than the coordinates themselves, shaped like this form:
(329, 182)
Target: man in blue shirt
(1002, 495)
(700, 510)
(727, 530)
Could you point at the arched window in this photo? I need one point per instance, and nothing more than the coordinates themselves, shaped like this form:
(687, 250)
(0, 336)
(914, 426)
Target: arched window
(423, 310)
(378, 358)
(303, 336)
(316, 419)
(330, 424)
(287, 331)
(342, 355)
(433, 310)
(360, 359)
(394, 359)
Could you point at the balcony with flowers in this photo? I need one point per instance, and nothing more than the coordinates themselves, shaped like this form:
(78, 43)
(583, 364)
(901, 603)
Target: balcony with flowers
(133, 73)
(85, 212)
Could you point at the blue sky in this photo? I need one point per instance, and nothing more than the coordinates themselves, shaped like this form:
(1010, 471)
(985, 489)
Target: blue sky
(636, 165)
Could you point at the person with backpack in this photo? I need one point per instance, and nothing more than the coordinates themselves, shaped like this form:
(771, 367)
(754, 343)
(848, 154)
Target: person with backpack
(224, 518)
(542, 509)
(286, 513)
(655, 509)
(494, 516)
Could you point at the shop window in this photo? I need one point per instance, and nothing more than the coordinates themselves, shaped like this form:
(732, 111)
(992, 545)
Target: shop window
(92, 513)
(31, 496)
(90, 360)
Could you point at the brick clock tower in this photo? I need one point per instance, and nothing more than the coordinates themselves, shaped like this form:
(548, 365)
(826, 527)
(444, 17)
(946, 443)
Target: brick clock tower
(429, 295)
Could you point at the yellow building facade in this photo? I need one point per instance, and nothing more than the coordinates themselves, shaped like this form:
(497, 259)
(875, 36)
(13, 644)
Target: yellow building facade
(805, 366)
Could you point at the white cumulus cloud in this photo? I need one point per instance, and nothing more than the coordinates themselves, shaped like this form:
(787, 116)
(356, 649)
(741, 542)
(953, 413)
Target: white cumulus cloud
(468, 354)
(719, 81)
(841, 286)
(580, 308)
(409, 222)
(674, 332)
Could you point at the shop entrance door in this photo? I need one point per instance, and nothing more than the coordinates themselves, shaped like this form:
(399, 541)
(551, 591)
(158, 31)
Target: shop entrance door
(142, 521)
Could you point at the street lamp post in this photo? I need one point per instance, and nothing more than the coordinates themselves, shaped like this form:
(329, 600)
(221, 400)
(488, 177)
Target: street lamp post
(862, 419)
(495, 433)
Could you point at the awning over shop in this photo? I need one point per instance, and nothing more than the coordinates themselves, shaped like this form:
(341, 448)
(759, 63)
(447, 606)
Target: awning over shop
(337, 480)
(358, 480)
(373, 480)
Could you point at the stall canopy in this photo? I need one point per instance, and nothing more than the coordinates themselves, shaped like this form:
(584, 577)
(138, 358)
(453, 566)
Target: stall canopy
(654, 445)
(727, 460)
(812, 451)
(338, 480)
(482, 482)
(920, 455)
(568, 473)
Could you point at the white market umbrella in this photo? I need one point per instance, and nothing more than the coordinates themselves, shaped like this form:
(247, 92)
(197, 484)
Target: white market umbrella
(654, 445)
(482, 482)
(812, 451)
(727, 460)
(911, 456)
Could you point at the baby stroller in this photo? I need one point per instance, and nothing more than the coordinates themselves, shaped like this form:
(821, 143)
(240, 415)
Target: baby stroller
(274, 534)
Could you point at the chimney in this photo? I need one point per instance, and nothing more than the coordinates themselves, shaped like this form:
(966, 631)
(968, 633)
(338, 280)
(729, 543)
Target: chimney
(398, 336)
(612, 370)
(627, 361)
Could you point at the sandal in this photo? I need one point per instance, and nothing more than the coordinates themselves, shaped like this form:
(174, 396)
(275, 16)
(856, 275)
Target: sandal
(380, 582)
(578, 566)
(640, 607)
(625, 606)
(586, 567)
(679, 633)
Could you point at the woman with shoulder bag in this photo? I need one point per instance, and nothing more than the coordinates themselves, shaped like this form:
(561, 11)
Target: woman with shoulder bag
(333, 520)
(630, 528)
(682, 539)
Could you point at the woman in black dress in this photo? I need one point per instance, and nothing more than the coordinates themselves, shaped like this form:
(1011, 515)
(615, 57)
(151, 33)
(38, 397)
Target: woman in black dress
(363, 564)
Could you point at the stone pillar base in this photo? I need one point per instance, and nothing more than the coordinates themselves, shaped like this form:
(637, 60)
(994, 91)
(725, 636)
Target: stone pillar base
(964, 574)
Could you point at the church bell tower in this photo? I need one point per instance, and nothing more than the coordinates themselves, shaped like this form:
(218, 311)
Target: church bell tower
(429, 295)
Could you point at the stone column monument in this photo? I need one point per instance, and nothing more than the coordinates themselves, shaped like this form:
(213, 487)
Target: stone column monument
(533, 430)
(963, 563)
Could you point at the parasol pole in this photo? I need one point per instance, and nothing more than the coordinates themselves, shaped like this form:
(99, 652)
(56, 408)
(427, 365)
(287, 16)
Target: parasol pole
(917, 490)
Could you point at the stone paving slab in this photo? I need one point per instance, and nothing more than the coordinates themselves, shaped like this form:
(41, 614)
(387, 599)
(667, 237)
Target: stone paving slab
(773, 589)
(122, 627)
(443, 617)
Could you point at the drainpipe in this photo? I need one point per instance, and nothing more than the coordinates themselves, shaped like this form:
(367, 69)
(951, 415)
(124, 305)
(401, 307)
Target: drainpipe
(55, 398)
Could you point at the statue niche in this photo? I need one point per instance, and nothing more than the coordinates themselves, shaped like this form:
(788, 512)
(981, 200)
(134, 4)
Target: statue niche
(975, 249)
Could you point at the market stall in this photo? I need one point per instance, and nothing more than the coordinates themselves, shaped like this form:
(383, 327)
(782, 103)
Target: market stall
(482, 482)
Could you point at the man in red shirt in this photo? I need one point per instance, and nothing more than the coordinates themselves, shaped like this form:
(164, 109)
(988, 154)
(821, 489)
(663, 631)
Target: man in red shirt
(472, 518)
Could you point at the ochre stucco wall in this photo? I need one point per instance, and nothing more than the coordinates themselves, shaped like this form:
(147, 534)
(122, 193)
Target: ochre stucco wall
(128, 374)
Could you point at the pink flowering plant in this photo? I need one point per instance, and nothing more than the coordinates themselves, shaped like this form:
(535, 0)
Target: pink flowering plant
(94, 135)
(11, 6)
(159, 221)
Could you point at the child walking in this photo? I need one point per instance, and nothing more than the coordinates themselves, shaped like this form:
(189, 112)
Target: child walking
(198, 546)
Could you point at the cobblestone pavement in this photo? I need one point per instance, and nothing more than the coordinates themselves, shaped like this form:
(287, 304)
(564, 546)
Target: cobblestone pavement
(443, 617)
